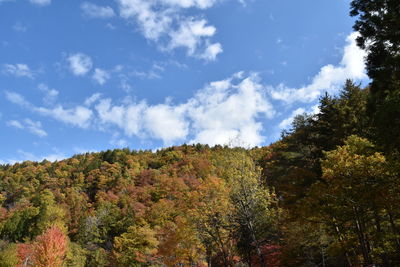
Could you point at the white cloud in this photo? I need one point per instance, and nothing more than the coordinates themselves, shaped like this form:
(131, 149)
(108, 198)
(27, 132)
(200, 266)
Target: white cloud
(94, 11)
(77, 116)
(191, 34)
(16, 124)
(111, 114)
(330, 78)
(211, 52)
(165, 22)
(34, 127)
(50, 95)
(116, 140)
(288, 121)
(226, 112)
(221, 113)
(93, 98)
(19, 27)
(202, 4)
(100, 76)
(17, 70)
(41, 2)
(18, 99)
(80, 64)
(56, 156)
(152, 23)
(166, 122)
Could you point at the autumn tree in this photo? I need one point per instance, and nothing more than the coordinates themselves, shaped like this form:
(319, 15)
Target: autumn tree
(211, 214)
(136, 247)
(48, 249)
(354, 192)
(255, 211)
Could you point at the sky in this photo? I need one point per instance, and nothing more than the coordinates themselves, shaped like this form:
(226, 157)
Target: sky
(83, 76)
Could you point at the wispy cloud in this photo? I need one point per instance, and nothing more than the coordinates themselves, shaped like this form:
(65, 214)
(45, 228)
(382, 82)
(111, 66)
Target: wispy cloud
(92, 99)
(34, 127)
(95, 11)
(18, 70)
(4, 1)
(19, 27)
(24, 155)
(79, 116)
(40, 2)
(50, 95)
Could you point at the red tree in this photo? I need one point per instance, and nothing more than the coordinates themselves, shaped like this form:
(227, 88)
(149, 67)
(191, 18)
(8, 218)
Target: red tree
(48, 250)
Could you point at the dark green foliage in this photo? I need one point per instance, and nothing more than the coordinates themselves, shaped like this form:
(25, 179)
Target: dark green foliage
(378, 22)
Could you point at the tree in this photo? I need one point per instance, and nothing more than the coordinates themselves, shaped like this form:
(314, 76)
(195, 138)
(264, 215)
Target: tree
(354, 196)
(378, 22)
(255, 208)
(211, 214)
(48, 249)
(8, 255)
(136, 247)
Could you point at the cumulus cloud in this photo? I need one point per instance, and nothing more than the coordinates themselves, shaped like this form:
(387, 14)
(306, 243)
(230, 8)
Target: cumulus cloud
(166, 122)
(77, 116)
(165, 22)
(191, 34)
(17, 70)
(211, 52)
(221, 113)
(41, 2)
(80, 64)
(330, 78)
(100, 76)
(229, 110)
(34, 127)
(95, 11)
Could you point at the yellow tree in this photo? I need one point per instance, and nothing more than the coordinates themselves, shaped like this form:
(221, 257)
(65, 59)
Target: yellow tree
(211, 210)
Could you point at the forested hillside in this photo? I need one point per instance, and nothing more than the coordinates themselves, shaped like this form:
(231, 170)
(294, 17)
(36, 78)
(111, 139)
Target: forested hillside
(326, 194)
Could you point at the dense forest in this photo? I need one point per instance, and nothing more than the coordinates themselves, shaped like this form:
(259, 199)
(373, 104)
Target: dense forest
(326, 194)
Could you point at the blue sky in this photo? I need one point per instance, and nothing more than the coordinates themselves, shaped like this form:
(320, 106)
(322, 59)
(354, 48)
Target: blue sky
(79, 76)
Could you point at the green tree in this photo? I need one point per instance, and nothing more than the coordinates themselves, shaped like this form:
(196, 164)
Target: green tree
(136, 247)
(255, 208)
(378, 22)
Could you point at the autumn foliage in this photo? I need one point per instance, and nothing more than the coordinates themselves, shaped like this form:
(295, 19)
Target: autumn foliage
(48, 250)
